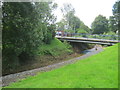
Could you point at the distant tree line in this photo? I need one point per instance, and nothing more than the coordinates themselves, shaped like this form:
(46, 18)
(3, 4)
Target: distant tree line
(26, 25)
(101, 25)
(71, 23)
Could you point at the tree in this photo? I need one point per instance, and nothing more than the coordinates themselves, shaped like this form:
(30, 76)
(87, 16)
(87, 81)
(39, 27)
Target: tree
(61, 25)
(68, 13)
(46, 20)
(67, 7)
(100, 25)
(116, 10)
(112, 24)
(83, 28)
(73, 22)
(25, 27)
(114, 20)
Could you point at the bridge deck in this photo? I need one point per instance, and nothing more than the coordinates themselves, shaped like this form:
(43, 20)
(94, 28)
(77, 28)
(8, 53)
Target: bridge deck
(88, 40)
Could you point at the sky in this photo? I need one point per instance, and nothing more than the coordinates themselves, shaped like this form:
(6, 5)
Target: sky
(87, 10)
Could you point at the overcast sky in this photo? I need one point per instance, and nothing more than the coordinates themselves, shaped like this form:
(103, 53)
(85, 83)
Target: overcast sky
(87, 10)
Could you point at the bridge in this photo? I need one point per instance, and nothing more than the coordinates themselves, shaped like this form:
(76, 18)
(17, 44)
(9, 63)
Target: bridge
(88, 40)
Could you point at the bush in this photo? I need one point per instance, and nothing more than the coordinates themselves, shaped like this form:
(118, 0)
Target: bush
(48, 38)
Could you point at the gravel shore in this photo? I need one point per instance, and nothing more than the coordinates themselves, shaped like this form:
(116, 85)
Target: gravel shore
(6, 80)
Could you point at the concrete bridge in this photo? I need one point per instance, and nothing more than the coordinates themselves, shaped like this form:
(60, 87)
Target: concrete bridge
(88, 40)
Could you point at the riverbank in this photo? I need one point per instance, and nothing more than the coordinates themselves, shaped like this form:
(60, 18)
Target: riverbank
(46, 55)
(16, 77)
(97, 71)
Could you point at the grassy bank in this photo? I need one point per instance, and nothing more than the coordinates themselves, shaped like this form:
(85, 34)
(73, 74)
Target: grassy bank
(46, 54)
(56, 48)
(97, 71)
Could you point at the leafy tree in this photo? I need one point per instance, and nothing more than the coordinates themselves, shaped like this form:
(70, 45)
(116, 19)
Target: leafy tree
(112, 24)
(68, 13)
(73, 22)
(114, 20)
(116, 10)
(100, 25)
(46, 20)
(25, 27)
(61, 25)
(17, 28)
(81, 30)
(84, 28)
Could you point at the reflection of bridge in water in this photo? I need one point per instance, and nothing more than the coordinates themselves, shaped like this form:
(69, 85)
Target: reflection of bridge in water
(88, 40)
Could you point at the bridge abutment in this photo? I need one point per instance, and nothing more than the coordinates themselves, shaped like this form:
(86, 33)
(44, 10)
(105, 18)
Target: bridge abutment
(79, 47)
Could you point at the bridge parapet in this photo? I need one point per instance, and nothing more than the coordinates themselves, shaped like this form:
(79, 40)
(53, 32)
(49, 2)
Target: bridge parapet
(95, 36)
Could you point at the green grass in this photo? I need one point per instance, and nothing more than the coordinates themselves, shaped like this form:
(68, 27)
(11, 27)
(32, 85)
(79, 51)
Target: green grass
(56, 48)
(97, 71)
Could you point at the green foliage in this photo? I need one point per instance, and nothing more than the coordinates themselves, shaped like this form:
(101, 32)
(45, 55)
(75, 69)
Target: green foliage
(51, 30)
(109, 35)
(116, 10)
(112, 24)
(55, 48)
(72, 21)
(61, 25)
(26, 26)
(100, 25)
(17, 31)
(68, 31)
(84, 28)
(48, 38)
(112, 37)
(67, 45)
(81, 30)
(97, 71)
(115, 19)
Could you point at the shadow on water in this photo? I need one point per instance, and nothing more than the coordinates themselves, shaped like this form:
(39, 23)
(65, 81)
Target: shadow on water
(88, 51)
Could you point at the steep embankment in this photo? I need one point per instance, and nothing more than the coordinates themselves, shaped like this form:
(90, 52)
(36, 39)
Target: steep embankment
(97, 71)
(47, 54)
(56, 48)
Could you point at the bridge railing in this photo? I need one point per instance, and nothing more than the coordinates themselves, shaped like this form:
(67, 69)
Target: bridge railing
(95, 36)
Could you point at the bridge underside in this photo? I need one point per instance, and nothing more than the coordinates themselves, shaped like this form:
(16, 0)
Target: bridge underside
(90, 41)
(102, 43)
